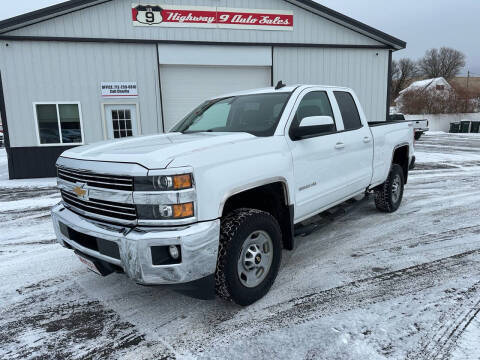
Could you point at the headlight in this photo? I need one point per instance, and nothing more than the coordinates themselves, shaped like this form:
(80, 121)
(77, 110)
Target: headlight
(165, 212)
(163, 182)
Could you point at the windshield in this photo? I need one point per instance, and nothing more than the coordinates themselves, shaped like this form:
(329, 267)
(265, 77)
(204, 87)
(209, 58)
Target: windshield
(255, 114)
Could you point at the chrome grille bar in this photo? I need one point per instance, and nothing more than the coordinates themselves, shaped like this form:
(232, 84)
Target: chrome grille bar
(85, 174)
(103, 208)
(97, 180)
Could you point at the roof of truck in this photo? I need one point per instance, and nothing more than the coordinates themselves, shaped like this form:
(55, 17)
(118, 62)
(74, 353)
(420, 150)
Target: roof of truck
(286, 89)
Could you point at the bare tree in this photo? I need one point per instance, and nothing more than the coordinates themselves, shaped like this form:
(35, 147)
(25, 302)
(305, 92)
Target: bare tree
(395, 70)
(429, 101)
(445, 62)
(403, 72)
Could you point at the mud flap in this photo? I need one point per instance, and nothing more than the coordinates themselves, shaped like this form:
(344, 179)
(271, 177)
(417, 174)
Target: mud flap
(412, 164)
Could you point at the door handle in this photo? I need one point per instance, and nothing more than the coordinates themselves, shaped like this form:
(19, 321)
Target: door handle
(339, 145)
(366, 139)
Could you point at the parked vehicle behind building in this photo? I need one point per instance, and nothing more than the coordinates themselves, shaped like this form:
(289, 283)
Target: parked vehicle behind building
(211, 204)
(420, 126)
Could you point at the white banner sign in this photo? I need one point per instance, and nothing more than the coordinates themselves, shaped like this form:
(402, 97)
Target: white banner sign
(211, 17)
(119, 89)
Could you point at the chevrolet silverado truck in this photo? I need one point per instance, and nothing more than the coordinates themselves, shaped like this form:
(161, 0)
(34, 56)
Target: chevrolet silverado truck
(209, 206)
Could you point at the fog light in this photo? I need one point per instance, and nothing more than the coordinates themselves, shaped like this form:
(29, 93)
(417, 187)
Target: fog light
(174, 253)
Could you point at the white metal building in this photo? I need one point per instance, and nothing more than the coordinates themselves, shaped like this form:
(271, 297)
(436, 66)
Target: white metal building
(90, 70)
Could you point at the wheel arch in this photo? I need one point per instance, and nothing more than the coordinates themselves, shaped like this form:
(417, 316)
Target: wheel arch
(270, 195)
(401, 156)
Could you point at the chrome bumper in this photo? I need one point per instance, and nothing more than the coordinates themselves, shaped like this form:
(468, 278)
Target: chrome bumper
(198, 242)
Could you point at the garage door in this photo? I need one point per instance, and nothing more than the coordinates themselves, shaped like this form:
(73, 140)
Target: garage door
(184, 87)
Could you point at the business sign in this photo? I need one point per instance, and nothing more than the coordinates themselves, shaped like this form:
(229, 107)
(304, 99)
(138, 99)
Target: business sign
(119, 89)
(211, 17)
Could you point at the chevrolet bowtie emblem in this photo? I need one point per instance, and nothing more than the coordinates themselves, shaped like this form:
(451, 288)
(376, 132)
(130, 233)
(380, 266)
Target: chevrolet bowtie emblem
(81, 191)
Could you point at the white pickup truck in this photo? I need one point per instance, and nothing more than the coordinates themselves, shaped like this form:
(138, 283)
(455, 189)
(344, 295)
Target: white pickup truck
(210, 205)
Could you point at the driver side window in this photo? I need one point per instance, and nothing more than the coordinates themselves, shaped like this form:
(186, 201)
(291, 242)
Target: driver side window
(315, 103)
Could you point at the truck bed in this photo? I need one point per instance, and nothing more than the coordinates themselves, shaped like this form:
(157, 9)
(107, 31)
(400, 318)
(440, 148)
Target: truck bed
(386, 140)
(388, 122)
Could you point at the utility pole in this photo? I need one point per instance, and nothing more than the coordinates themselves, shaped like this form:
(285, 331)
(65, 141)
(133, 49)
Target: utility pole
(468, 78)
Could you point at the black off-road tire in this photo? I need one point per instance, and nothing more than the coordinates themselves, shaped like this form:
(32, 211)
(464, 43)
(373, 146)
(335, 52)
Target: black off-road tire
(384, 199)
(235, 228)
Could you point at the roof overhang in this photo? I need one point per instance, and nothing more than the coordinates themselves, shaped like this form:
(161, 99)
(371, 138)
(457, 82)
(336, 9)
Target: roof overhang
(309, 5)
(46, 13)
(350, 23)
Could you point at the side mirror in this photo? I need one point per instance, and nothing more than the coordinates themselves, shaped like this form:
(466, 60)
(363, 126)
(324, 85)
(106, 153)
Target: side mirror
(316, 121)
(312, 126)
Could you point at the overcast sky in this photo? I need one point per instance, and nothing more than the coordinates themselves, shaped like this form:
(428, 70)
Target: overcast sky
(423, 24)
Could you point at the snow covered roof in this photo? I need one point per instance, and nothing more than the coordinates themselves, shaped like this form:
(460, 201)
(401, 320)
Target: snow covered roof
(427, 84)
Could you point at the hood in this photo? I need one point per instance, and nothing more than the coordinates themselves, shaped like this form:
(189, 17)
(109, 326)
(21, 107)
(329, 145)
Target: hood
(154, 152)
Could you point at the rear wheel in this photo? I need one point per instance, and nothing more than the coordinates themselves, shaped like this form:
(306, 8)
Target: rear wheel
(388, 196)
(249, 255)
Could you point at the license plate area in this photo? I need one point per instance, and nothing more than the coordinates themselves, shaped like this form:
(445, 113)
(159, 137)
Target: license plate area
(89, 264)
(99, 267)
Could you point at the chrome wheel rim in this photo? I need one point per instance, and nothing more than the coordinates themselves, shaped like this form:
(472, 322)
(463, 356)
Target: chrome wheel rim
(255, 259)
(396, 188)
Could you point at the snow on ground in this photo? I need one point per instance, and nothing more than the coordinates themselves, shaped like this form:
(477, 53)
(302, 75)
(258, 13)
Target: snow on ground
(365, 285)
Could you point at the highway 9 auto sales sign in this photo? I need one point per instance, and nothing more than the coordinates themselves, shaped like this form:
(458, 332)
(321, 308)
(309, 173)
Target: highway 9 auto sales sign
(211, 17)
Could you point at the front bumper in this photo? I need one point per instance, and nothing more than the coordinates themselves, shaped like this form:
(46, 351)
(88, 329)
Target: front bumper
(198, 242)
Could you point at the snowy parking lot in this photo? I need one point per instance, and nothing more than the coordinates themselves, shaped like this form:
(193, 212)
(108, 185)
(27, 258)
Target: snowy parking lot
(365, 285)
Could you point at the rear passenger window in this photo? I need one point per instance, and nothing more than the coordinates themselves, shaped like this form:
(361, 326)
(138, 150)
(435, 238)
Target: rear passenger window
(349, 111)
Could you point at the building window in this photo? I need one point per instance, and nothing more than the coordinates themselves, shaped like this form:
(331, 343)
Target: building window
(59, 123)
(440, 87)
(121, 120)
(122, 123)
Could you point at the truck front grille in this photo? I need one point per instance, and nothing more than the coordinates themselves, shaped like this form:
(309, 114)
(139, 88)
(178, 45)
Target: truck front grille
(113, 182)
(109, 209)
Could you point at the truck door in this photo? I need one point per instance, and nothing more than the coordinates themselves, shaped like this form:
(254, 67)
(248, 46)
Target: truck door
(317, 169)
(357, 141)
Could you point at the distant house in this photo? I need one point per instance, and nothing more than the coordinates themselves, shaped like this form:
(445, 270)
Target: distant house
(437, 85)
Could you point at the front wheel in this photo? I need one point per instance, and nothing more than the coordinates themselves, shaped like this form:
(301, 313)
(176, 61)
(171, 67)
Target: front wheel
(249, 255)
(418, 135)
(388, 196)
